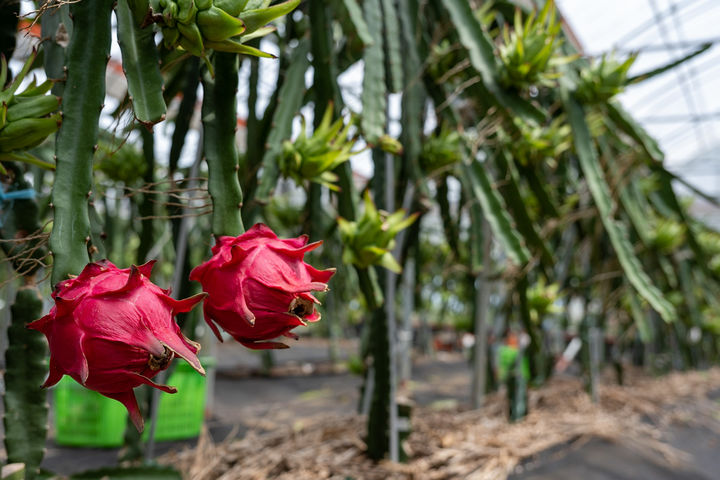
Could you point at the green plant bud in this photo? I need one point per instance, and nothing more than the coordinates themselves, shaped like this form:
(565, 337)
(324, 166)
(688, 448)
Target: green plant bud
(191, 39)
(527, 54)
(231, 7)
(441, 150)
(259, 33)
(171, 37)
(186, 11)
(33, 107)
(6, 94)
(33, 90)
(258, 18)
(668, 235)
(370, 239)
(257, 4)
(216, 25)
(710, 242)
(603, 80)
(390, 145)
(125, 164)
(313, 158)
(3, 115)
(203, 4)
(170, 14)
(715, 264)
(532, 144)
(541, 299)
(237, 47)
(28, 132)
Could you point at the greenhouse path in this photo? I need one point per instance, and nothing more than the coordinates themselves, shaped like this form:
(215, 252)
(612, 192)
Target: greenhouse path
(599, 459)
(303, 385)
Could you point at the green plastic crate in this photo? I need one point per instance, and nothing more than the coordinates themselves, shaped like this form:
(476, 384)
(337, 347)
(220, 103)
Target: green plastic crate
(85, 418)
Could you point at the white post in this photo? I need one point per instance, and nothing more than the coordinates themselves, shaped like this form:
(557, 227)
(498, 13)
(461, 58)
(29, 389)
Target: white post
(405, 334)
(390, 315)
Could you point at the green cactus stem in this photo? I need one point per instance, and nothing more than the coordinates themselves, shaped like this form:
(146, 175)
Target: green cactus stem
(219, 119)
(26, 409)
(84, 93)
(325, 87)
(56, 32)
(380, 350)
(147, 206)
(374, 88)
(140, 64)
(378, 440)
(184, 115)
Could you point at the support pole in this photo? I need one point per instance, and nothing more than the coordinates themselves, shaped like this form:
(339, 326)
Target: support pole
(482, 304)
(390, 313)
(405, 334)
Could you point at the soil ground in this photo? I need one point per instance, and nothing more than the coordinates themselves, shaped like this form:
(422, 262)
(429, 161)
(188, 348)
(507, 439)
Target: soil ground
(303, 385)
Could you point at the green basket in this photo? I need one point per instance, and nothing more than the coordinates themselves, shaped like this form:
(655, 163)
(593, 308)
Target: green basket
(85, 418)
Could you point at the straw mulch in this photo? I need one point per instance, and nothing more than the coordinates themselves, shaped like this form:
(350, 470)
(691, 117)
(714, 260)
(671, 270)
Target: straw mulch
(467, 444)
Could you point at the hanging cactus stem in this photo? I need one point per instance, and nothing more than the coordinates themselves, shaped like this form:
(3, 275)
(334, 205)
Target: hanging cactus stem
(141, 66)
(219, 124)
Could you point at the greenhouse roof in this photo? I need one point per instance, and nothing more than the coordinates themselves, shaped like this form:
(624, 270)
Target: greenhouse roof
(681, 107)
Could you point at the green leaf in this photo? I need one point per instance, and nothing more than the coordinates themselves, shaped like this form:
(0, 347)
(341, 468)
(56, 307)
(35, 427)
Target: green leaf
(617, 232)
(479, 186)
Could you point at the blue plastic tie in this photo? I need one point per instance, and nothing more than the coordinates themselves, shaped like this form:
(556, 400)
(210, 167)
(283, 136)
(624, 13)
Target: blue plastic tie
(26, 194)
(9, 197)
